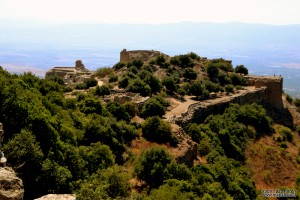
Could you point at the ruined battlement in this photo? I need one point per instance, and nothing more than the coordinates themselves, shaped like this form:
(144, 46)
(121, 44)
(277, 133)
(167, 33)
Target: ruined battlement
(274, 88)
(143, 55)
(70, 74)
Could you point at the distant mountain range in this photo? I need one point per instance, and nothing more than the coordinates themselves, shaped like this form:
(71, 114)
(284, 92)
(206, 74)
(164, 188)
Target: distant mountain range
(264, 49)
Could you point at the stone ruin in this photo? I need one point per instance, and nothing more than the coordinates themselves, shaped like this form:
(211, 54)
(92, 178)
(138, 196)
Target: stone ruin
(143, 55)
(71, 75)
(273, 84)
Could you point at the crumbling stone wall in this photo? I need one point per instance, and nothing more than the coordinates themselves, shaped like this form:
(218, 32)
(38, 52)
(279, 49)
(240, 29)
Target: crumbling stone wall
(268, 92)
(274, 85)
(143, 55)
(71, 75)
(198, 112)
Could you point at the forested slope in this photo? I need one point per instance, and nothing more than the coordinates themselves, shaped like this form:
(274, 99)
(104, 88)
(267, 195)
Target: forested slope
(82, 144)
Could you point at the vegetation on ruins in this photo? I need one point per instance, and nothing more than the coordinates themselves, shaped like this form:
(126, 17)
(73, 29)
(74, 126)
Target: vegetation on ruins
(86, 144)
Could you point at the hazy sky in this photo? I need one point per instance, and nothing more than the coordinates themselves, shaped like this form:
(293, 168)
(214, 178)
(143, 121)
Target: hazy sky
(153, 11)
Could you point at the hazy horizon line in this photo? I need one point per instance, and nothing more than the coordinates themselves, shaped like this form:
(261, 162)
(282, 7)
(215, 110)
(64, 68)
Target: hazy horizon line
(42, 22)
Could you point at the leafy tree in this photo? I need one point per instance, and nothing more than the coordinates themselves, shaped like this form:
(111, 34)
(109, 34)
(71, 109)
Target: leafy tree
(194, 131)
(170, 84)
(98, 156)
(131, 108)
(241, 69)
(157, 130)
(89, 105)
(105, 184)
(229, 88)
(90, 82)
(118, 111)
(123, 83)
(55, 178)
(102, 90)
(222, 64)
(166, 192)
(213, 72)
(25, 156)
(153, 82)
(153, 108)
(124, 132)
(151, 164)
(224, 79)
(119, 65)
(139, 86)
(189, 73)
(113, 78)
(198, 89)
(237, 79)
(183, 61)
(136, 63)
(160, 60)
(81, 86)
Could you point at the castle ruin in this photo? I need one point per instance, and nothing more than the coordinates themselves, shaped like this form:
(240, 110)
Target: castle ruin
(143, 55)
(70, 74)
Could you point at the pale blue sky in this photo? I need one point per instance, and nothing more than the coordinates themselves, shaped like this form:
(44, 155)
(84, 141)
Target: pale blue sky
(153, 11)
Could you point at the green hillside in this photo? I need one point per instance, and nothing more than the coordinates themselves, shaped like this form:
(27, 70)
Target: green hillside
(61, 139)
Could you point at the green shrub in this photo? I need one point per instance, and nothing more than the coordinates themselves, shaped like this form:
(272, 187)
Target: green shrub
(123, 83)
(136, 63)
(151, 165)
(211, 86)
(189, 73)
(286, 134)
(119, 65)
(157, 130)
(241, 69)
(170, 83)
(113, 78)
(131, 108)
(118, 111)
(229, 88)
(153, 108)
(102, 90)
(237, 79)
(139, 86)
(204, 147)
(111, 183)
(183, 61)
(91, 82)
(81, 86)
(198, 89)
(102, 72)
(213, 72)
(160, 60)
(67, 89)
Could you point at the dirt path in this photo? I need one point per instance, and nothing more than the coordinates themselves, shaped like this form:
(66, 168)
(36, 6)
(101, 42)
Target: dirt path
(100, 83)
(180, 108)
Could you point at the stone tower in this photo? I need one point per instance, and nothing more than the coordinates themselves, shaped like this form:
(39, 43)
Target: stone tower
(79, 66)
(124, 56)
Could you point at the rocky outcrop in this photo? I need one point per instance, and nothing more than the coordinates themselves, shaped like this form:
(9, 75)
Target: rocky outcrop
(11, 187)
(58, 197)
